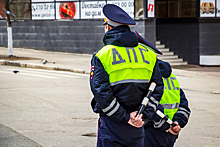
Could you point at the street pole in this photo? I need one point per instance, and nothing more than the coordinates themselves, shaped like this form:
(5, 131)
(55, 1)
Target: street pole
(9, 30)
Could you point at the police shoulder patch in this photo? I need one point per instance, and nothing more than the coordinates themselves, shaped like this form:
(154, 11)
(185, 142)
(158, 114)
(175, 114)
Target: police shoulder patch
(92, 72)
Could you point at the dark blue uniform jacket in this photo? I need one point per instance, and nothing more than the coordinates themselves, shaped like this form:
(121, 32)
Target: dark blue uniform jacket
(183, 113)
(128, 95)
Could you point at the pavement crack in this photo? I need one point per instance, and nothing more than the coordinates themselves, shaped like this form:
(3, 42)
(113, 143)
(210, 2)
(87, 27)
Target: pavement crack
(84, 118)
(197, 90)
(90, 134)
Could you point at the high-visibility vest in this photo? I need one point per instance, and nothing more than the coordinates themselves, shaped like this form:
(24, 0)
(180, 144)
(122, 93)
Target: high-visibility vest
(171, 96)
(127, 64)
(149, 48)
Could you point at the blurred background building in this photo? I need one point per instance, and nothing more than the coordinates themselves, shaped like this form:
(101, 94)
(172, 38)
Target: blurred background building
(187, 28)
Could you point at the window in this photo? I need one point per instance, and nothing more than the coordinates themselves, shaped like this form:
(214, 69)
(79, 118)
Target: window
(21, 9)
(139, 8)
(187, 8)
(161, 9)
(175, 8)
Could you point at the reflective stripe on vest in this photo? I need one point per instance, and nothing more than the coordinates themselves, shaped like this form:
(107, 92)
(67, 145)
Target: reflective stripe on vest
(171, 96)
(120, 62)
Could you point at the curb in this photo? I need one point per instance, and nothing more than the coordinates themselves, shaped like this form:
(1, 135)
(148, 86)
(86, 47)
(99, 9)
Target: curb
(37, 66)
(11, 138)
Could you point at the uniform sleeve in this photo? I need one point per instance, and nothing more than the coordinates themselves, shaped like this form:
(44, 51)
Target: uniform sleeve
(183, 113)
(158, 122)
(103, 95)
(181, 116)
(156, 95)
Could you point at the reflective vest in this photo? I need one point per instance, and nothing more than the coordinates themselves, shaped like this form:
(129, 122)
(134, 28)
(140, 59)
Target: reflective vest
(171, 96)
(127, 64)
(149, 48)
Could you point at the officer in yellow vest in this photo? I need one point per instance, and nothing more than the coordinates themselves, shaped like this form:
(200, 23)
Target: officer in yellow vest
(173, 103)
(121, 73)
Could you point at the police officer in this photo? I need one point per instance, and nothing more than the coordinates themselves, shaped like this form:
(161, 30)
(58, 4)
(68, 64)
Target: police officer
(121, 73)
(173, 103)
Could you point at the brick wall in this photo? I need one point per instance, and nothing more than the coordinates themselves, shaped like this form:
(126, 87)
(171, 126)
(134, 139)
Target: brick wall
(78, 36)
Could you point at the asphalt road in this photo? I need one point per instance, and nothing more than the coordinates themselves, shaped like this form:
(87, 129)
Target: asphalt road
(52, 108)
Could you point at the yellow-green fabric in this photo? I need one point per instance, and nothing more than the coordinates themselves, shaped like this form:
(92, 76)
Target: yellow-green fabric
(171, 96)
(127, 64)
(149, 48)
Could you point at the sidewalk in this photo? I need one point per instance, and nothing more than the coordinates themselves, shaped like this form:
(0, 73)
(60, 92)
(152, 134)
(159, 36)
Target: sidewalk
(80, 63)
(72, 62)
(10, 138)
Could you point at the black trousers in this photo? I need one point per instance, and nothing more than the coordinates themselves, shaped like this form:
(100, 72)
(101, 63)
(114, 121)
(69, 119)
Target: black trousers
(112, 134)
(158, 138)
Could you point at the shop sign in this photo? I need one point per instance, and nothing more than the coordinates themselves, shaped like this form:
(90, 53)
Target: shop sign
(42, 11)
(42, 0)
(2, 11)
(67, 10)
(127, 6)
(92, 9)
(218, 8)
(151, 7)
(207, 8)
(64, 0)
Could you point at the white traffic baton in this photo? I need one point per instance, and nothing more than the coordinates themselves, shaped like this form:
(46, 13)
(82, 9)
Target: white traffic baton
(166, 118)
(146, 99)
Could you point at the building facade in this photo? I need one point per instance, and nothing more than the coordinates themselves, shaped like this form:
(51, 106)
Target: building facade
(190, 28)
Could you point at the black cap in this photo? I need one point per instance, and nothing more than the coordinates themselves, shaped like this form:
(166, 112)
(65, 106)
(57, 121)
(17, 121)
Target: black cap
(117, 15)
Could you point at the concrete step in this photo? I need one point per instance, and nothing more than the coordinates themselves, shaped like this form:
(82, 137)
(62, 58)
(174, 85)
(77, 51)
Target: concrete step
(168, 53)
(169, 56)
(160, 46)
(173, 60)
(164, 50)
(162, 57)
(158, 42)
(179, 63)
